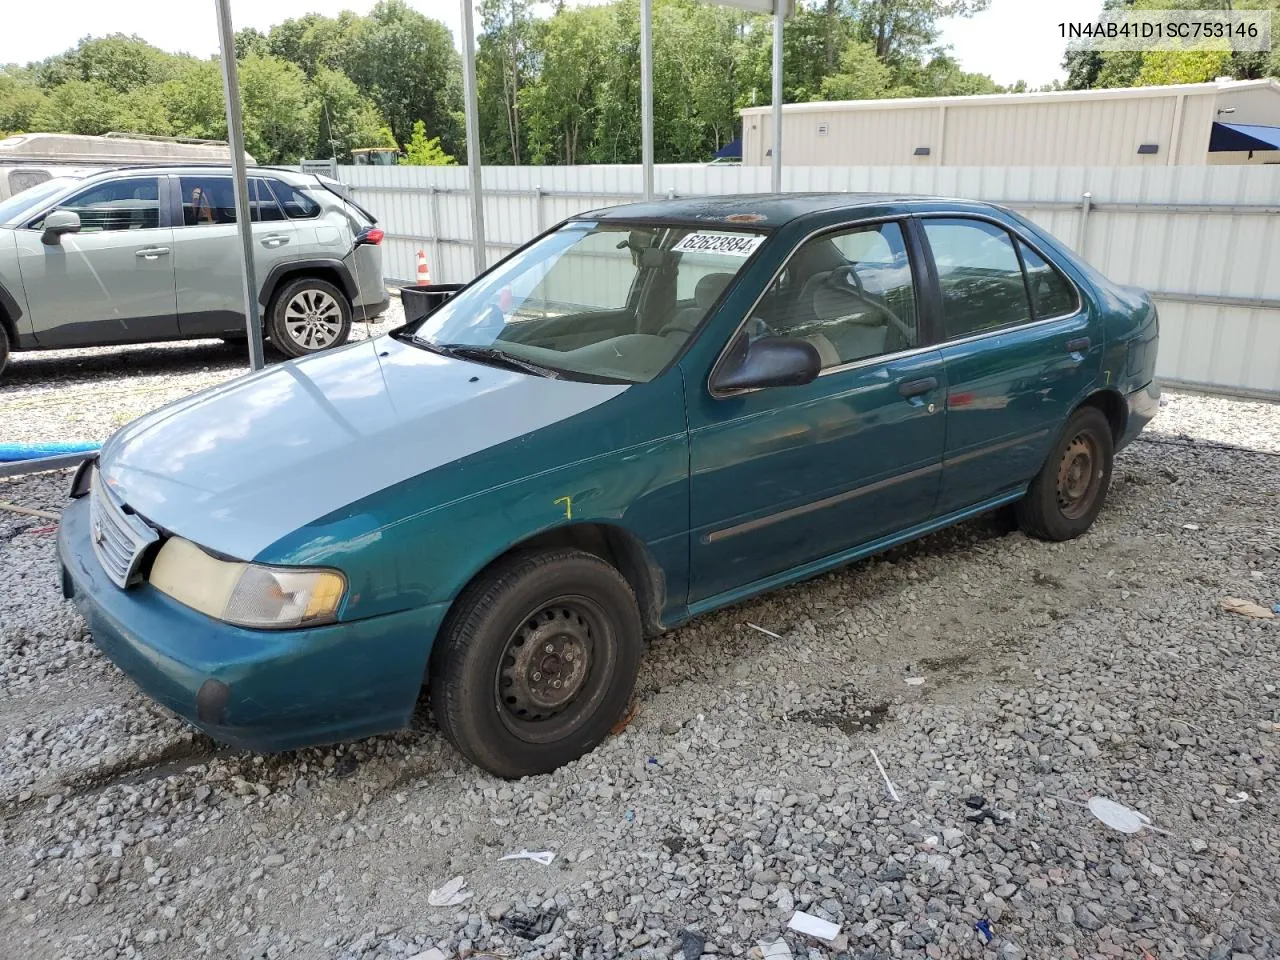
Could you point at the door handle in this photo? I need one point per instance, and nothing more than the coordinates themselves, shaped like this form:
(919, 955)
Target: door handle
(152, 253)
(275, 240)
(1078, 345)
(914, 388)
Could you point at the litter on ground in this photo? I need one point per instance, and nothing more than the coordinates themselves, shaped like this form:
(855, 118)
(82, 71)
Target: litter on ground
(543, 857)
(816, 927)
(1247, 608)
(1119, 817)
(887, 782)
(450, 895)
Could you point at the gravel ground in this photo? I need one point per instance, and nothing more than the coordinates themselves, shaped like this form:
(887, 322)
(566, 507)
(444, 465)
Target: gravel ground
(88, 394)
(745, 787)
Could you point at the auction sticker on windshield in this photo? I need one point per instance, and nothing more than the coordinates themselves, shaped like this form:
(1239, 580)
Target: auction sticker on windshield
(728, 244)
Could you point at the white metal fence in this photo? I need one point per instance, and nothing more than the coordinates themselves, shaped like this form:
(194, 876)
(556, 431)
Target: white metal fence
(1204, 240)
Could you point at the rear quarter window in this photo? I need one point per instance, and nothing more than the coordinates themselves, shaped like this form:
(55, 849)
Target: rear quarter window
(296, 204)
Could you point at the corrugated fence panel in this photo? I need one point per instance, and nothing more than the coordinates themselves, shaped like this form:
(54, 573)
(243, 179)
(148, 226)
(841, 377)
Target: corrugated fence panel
(1207, 268)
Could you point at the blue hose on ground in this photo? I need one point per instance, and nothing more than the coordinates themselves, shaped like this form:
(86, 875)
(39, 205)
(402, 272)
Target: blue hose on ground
(10, 452)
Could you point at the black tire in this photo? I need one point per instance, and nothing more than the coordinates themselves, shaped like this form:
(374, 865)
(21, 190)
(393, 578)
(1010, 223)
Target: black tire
(490, 695)
(297, 330)
(1067, 493)
(4, 348)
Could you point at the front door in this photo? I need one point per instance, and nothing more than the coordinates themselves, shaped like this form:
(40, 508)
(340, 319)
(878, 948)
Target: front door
(1020, 350)
(110, 283)
(789, 476)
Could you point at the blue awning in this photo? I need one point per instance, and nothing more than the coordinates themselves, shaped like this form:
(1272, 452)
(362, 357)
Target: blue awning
(731, 150)
(1243, 136)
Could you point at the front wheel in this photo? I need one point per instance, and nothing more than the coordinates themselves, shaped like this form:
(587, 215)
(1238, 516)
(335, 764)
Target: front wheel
(308, 315)
(4, 348)
(1067, 493)
(537, 661)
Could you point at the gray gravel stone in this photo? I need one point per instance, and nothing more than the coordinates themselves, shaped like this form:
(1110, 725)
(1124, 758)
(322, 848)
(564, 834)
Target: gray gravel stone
(1100, 666)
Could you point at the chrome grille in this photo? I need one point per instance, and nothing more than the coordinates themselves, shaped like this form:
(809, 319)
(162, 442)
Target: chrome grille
(119, 539)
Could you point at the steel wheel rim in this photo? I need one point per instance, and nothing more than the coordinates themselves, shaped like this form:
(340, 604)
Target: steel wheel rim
(554, 669)
(313, 319)
(1079, 476)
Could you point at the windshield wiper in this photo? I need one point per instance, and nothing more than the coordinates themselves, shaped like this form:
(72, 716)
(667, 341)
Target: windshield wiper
(472, 351)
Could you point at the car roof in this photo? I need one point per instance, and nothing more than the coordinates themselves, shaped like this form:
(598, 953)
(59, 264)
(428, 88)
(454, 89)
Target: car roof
(765, 210)
(180, 166)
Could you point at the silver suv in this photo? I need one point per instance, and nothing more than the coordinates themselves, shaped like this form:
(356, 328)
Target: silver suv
(144, 253)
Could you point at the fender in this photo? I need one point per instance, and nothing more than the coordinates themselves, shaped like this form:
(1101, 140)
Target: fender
(280, 270)
(10, 313)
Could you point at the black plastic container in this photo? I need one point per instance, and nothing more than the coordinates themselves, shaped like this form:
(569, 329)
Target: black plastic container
(420, 299)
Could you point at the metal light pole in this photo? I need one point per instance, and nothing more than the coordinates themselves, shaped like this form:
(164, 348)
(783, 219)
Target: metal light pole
(470, 104)
(779, 18)
(240, 182)
(646, 96)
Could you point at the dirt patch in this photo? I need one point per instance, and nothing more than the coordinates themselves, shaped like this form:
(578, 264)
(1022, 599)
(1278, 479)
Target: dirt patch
(847, 719)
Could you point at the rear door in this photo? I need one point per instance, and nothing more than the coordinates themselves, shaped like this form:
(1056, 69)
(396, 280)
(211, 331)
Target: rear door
(113, 281)
(1020, 350)
(207, 250)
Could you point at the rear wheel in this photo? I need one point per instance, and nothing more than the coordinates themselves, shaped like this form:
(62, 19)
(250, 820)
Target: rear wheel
(1068, 492)
(308, 315)
(537, 661)
(4, 348)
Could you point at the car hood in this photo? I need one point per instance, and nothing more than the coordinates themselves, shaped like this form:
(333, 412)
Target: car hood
(237, 467)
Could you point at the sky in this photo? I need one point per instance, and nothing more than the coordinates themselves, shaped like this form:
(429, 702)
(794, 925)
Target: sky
(1013, 40)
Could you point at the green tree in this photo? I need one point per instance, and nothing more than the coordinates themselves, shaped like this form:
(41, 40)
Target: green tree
(941, 76)
(250, 40)
(560, 108)
(143, 111)
(503, 64)
(279, 112)
(313, 41)
(407, 64)
(862, 75)
(20, 100)
(345, 119)
(79, 106)
(1182, 66)
(118, 62)
(421, 152)
(193, 100)
(898, 29)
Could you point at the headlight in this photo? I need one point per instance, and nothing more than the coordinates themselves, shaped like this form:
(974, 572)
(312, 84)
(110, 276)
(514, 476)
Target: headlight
(246, 594)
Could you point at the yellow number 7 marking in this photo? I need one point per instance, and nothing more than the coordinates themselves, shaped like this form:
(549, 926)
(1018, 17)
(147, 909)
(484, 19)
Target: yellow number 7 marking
(568, 506)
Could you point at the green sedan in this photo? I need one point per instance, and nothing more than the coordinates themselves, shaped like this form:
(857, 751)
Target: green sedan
(646, 413)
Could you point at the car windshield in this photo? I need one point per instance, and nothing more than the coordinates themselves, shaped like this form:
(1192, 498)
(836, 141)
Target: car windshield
(593, 300)
(21, 202)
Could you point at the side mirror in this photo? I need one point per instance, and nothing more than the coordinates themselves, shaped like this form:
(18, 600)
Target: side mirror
(59, 222)
(768, 362)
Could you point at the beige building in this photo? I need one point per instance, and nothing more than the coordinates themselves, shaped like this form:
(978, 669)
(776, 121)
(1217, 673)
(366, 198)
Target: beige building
(1228, 121)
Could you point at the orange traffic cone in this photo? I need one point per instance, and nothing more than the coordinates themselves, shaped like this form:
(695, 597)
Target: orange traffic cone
(424, 275)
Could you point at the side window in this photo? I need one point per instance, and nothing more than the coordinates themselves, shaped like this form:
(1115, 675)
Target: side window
(207, 201)
(132, 204)
(979, 275)
(297, 205)
(19, 180)
(265, 208)
(849, 293)
(1052, 293)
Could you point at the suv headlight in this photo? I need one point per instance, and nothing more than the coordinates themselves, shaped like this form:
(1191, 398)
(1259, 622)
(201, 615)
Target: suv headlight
(247, 594)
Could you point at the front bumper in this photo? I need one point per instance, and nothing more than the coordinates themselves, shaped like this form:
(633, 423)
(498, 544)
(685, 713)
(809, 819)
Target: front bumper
(1143, 406)
(263, 690)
